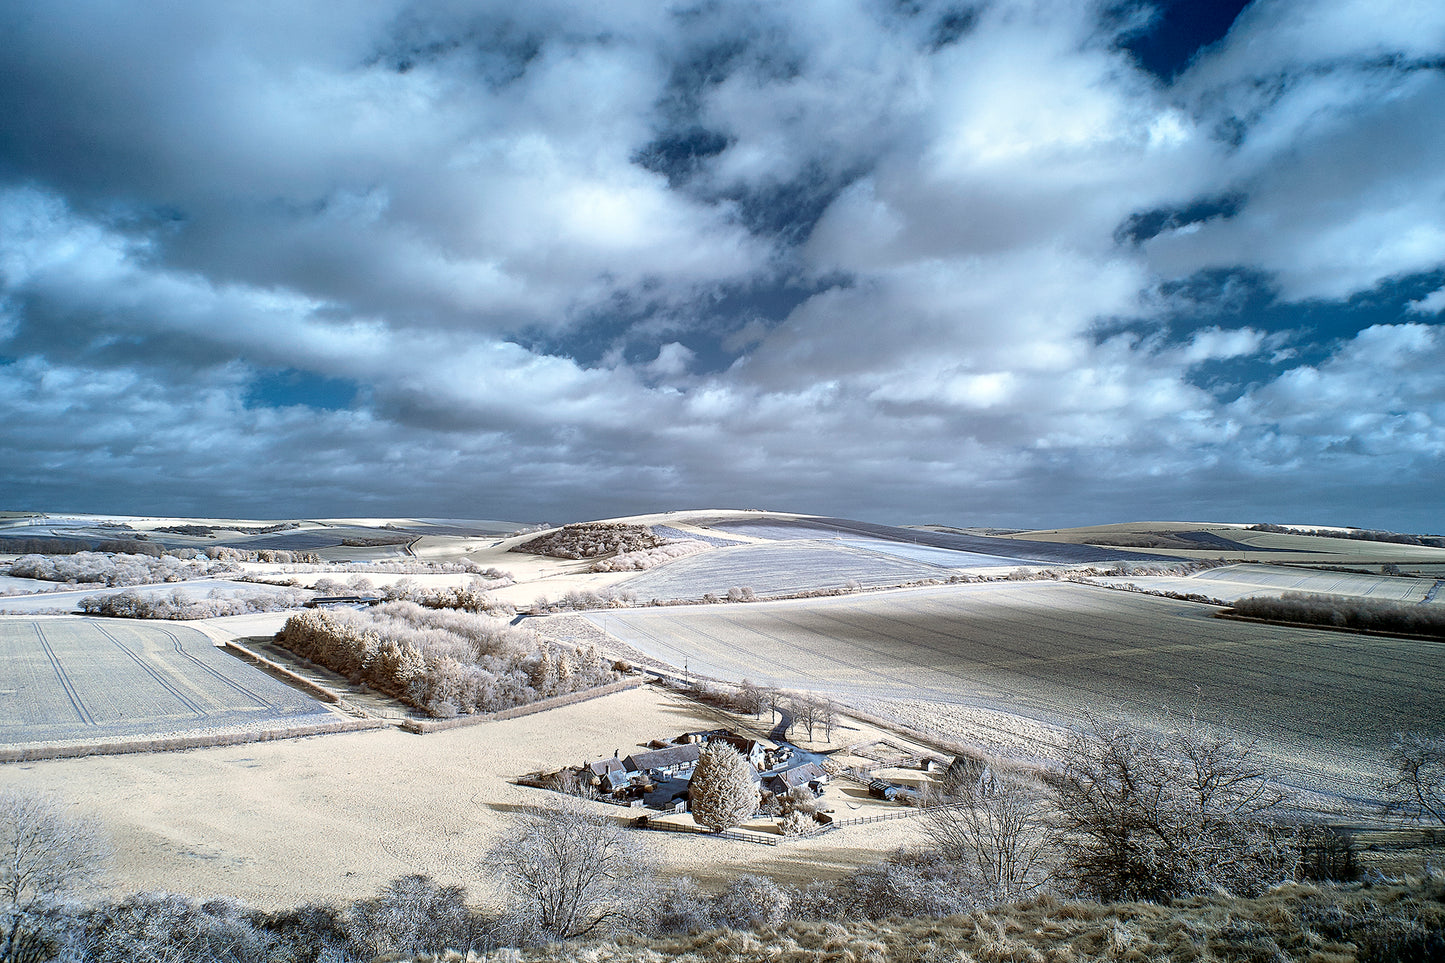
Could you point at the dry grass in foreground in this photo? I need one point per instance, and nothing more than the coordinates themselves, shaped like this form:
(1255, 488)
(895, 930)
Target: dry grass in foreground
(1320, 924)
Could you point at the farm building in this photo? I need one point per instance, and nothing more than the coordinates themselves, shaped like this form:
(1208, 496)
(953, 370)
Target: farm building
(809, 774)
(667, 761)
(752, 750)
(604, 766)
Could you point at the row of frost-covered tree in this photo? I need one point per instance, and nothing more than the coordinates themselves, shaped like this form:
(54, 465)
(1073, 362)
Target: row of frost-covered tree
(443, 662)
(1374, 615)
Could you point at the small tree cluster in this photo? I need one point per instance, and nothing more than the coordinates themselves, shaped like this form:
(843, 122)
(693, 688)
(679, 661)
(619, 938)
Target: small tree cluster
(110, 569)
(591, 540)
(644, 559)
(443, 662)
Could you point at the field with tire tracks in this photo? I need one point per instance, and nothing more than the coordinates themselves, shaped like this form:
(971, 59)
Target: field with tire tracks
(68, 679)
(1040, 655)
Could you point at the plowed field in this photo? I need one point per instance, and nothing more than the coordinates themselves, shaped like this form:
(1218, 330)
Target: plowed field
(80, 679)
(1323, 704)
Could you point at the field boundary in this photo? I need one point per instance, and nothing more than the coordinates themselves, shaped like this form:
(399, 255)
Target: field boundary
(1411, 636)
(420, 727)
(38, 752)
(275, 668)
(742, 837)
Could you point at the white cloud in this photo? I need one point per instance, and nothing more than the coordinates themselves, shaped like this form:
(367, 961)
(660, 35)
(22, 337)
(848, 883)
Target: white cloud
(474, 242)
(1432, 303)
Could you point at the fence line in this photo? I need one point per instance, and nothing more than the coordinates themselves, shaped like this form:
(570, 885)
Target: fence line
(555, 702)
(696, 831)
(38, 752)
(903, 814)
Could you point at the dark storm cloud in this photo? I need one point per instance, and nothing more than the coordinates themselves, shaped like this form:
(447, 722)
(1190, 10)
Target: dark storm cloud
(1007, 261)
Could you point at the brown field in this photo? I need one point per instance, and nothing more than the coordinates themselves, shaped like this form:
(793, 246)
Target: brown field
(335, 817)
(1018, 659)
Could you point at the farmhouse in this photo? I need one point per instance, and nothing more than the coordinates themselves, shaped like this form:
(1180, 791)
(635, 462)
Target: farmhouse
(668, 761)
(809, 774)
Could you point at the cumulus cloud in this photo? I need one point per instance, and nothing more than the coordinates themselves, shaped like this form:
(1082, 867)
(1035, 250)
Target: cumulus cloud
(1432, 303)
(854, 258)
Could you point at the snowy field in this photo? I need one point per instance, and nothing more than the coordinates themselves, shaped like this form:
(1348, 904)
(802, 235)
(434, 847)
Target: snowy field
(84, 679)
(1233, 582)
(776, 569)
(1323, 704)
(1016, 550)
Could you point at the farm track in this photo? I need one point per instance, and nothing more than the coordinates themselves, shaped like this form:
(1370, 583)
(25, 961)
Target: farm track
(64, 677)
(219, 676)
(155, 674)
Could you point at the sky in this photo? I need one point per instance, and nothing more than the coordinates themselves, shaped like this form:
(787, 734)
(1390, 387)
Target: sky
(1020, 263)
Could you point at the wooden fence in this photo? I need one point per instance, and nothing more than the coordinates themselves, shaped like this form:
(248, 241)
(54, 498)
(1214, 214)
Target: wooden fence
(658, 827)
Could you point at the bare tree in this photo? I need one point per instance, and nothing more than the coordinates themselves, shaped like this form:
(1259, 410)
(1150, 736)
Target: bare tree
(566, 869)
(751, 698)
(722, 790)
(1155, 817)
(1417, 789)
(46, 857)
(805, 712)
(998, 837)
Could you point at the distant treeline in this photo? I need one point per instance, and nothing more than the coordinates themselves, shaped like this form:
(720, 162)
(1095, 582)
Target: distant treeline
(202, 530)
(1373, 615)
(1357, 534)
(181, 605)
(73, 546)
(442, 662)
(140, 568)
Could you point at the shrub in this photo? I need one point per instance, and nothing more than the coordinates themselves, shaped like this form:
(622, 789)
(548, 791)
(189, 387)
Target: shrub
(752, 902)
(1156, 817)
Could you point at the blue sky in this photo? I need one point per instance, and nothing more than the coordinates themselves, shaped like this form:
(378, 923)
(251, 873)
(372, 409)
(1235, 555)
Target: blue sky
(1010, 263)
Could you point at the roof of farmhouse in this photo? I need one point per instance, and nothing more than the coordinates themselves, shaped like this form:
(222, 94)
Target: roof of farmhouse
(802, 775)
(663, 758)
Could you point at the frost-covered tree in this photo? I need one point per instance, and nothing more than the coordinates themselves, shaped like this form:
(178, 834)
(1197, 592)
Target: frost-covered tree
(568, 871)
(46, 857)
(722, 790)
(1155, 817)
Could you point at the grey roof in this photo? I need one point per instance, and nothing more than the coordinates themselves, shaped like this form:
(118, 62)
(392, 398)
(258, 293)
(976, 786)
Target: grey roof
(801, 775)
(663, 758)
(603, 766)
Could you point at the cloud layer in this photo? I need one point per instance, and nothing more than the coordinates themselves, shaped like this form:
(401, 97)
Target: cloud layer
(911, 262)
